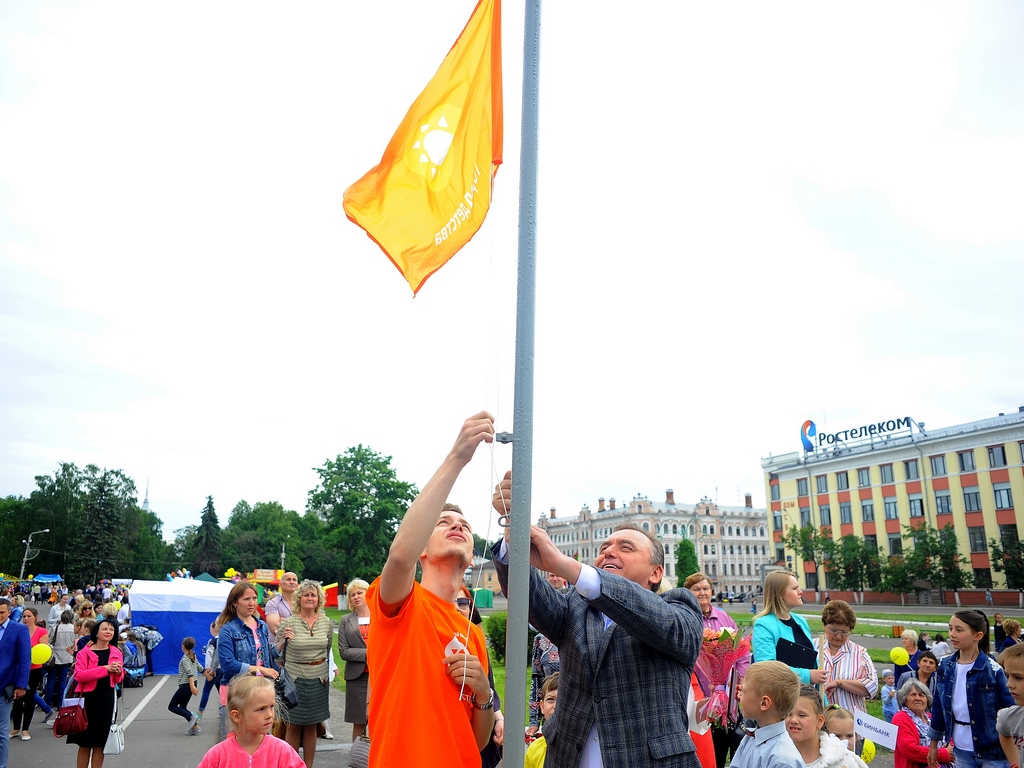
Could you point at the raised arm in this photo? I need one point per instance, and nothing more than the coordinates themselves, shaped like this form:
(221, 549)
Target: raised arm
(399, 571)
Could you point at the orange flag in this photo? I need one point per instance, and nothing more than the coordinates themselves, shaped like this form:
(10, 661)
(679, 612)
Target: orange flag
(431, 190)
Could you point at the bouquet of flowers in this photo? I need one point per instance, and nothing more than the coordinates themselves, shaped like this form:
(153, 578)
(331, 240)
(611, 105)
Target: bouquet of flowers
(719, 652)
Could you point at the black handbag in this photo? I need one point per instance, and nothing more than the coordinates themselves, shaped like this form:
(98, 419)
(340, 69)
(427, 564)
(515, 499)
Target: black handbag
(284, 686)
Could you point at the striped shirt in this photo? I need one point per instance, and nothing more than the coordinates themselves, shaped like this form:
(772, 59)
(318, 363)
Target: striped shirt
(850, 662)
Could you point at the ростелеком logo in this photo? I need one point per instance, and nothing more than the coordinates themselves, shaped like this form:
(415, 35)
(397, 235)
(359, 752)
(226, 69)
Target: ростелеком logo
(806, 431)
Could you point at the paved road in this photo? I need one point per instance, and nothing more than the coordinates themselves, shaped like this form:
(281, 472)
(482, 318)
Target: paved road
(156, 738)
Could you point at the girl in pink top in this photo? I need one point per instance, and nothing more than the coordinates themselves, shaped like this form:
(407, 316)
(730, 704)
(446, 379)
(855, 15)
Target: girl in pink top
(251, 702)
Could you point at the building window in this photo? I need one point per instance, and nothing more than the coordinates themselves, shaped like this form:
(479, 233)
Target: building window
(826, 514)
(966, 459)
(763, 550)
(1021, 446)
(733, 567)
(943, 506)
(705, 549)
(938, 465)
(812, 580)
(777, 521)
(712, 549)
(730, 530)
(892, 510)
(871, 542)
(805, 516)
(842, 481)
(780, 553)
(775, 493)
(693, 532)
(746, 530)
(910, 469)
(917, 507)
(976, 537)
(845, 512)
(657, 528)
(895, 544)
(704, 528)
(675, 529)
(867, 511)
(801, 486)
(748, 549)
(864, 477)
(1008, 534)
(997, 456)
(886, 470)
(762, 532)
(748, 569)
(647, 527)
(1004, 499)
(983, 577)
(666, 549)
(712, 530)
(732, 549)
(822, 482)
(972, 499)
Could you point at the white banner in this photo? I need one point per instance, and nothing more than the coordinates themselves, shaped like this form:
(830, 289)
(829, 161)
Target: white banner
(875, 729)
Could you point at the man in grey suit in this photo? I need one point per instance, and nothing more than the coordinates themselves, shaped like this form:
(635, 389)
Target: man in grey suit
(626, 652)
(15, 660)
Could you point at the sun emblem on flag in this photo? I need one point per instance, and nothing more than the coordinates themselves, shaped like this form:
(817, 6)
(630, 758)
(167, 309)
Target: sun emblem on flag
(429, 148)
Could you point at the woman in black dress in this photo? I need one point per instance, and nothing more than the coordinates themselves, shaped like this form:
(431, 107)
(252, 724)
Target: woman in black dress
(98, 669)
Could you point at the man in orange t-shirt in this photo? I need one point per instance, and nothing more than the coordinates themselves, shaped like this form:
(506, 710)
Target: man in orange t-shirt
(430, 699)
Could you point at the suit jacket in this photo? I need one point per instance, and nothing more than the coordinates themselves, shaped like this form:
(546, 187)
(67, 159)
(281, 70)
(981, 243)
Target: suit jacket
(351, 647)
(631, 679)
(15, 656)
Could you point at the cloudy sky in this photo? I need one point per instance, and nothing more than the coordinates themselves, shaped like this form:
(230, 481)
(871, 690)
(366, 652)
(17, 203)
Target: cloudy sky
(750, 214)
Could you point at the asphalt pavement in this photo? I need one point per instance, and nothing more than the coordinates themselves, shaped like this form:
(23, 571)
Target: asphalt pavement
(155, 738)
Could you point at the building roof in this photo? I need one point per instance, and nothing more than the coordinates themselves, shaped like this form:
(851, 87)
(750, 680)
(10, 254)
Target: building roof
(890, 442)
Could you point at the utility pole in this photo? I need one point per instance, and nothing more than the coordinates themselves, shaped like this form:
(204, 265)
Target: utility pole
(28, 544)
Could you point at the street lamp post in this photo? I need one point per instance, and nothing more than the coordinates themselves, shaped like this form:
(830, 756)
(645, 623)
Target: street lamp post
(28, 544)
(282, 549)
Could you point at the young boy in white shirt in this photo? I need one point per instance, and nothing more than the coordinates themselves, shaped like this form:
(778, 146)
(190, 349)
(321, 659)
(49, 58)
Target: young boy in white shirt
(769, 691)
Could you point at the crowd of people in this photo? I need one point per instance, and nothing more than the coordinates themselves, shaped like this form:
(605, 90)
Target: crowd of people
(614, 680)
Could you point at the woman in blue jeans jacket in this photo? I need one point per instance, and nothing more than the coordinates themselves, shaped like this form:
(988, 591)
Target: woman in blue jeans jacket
(244, 646)
(970, 688)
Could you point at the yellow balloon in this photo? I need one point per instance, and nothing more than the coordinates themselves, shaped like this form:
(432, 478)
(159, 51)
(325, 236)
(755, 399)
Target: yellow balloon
(899, 656)
(41, 653)
(868, 751)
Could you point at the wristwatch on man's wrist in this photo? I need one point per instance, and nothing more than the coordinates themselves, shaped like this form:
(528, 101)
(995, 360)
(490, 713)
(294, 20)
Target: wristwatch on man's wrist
(489, 704)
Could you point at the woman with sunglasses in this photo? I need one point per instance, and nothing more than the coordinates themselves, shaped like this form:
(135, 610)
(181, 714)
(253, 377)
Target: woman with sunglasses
(304, 642)
(850, 675)
(352, 635)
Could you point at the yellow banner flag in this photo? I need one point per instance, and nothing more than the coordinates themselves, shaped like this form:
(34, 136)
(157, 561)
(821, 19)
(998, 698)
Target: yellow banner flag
(431, 190)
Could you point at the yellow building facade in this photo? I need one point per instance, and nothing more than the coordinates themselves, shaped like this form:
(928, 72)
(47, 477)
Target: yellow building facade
(871, 480)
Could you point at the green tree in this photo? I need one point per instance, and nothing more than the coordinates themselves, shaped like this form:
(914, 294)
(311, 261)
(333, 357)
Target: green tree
(15, 522)
(361, 502)
(151, 556)
(852, 565)
(254, 536)
(896, 575)
(206, 545)
(101, 551)
(1008, 558)
(811, 545)
(184, 543)
(686, 560)
(936, 558)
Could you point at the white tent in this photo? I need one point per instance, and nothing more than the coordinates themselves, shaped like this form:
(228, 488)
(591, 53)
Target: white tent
(178, 609)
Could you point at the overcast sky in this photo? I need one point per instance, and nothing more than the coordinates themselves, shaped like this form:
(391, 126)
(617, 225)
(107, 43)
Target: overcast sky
(750, 215)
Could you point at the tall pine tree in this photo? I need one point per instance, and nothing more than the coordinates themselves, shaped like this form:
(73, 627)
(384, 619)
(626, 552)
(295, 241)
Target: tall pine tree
(206, 546)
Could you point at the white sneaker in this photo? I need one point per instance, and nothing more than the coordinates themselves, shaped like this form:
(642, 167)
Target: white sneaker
(192, 724)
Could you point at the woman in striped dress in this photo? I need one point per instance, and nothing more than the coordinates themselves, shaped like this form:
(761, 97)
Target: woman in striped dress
(308, 632)
(850, 675)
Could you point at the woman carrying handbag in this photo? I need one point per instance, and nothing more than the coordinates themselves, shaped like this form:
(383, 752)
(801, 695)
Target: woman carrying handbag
(98, 670)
